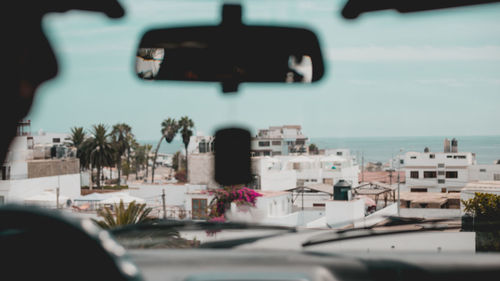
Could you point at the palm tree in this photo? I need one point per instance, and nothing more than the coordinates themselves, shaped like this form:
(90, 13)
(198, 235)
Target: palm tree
(98, 150)
(130, 140)
(169, 128)
(139, 156)
(185, 125)
(134, 213)
(77, 138)
(120, 136)
(147, 150)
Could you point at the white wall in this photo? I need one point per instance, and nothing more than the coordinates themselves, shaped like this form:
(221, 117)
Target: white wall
(483, 172)
(268, 209)
(46, 138)
(425, 242)
(273, 180)
(378, 216)
(310, 198)
(423, 159)
(430, 213)
(340, 213)
(175, 195)
(15, 191)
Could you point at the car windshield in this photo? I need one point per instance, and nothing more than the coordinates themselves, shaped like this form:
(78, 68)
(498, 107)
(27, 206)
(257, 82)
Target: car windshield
(403, 124)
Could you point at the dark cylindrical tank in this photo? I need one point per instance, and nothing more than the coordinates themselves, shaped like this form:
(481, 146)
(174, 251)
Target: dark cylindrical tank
(341, 190)
(454, 145)
(447, 145)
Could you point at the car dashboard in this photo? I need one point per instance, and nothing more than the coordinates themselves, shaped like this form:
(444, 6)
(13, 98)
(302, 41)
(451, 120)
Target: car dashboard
(261, 265)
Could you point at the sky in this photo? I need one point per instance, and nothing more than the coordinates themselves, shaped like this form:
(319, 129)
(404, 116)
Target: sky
(424, 74)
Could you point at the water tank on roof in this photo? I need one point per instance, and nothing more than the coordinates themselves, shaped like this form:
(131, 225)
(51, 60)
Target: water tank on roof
(447, 145)
(426, 150)
(341, 190)
(454, 145)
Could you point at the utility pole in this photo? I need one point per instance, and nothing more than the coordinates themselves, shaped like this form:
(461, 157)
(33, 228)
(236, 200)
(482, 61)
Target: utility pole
(399, 169)
(302, 198)
(163, 204)
(57, 196)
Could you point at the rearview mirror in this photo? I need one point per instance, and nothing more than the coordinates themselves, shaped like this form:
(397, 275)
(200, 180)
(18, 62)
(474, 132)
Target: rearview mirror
(230, 53)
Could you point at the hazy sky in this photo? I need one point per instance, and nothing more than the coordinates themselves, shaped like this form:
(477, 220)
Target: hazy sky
(434, 73)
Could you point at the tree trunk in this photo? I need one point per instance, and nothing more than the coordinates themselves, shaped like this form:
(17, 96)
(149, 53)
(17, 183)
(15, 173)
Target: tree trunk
(91, 183)
(98, 177)
(136, 170)
(154, 160)
(128, 161)
(147, 167)
(187, 171)
(119, 164)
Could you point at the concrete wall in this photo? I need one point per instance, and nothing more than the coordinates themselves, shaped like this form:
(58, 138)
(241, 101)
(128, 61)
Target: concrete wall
(201, 169)
(15, 191)
(53, 167)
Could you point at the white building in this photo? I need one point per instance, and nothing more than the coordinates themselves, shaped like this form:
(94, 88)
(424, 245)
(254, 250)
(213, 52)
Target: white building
(279, 140)
(201, 144)
(437, 171)
(287, 172)
(447, 171)
(30, 169)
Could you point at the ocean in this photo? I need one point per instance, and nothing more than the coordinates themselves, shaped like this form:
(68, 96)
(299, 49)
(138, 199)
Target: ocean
(381, 149)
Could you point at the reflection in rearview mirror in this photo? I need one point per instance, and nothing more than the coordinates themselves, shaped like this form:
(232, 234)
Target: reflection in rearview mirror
(230, 53)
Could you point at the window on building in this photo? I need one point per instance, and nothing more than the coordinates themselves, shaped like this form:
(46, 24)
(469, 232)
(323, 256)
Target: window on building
(449, 156)
(414, 174)
(276, 142)
(441, 165)
(432, 156)
(418, 189)
(443, 190)
(300, 142)
(339, 153)
(440, 173)
(318, 204)
(5, 173)
(199, 208)
(429, 174)
(263, 143)
(413, 157)
(296, 166)
(496, 177)
(328, 181)
(267, 153)
(56, 140)
(401, 161)
(2, 200)
(441, 181)
(277, 153)
(459, 157)
(482, 170)
(451, 174)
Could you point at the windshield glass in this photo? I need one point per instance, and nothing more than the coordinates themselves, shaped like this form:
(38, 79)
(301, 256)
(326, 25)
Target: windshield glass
(406, 111)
